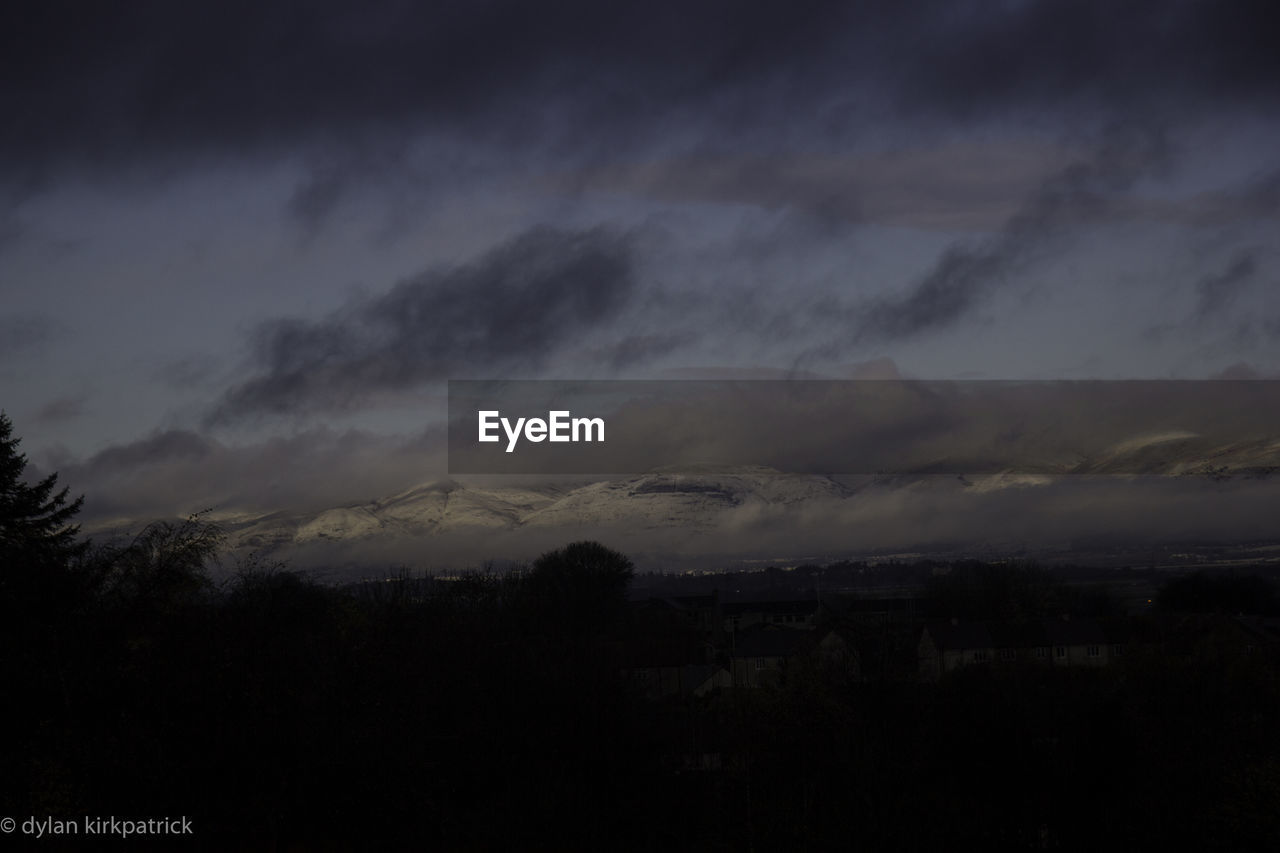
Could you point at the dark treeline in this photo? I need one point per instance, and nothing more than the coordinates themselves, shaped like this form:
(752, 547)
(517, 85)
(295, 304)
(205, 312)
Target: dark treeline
(494, 712)
(1221, 592)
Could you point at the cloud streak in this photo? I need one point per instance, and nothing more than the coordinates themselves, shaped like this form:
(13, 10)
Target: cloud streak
(1216, 292)
(506, 312)
(1085, 193)
(175, 472)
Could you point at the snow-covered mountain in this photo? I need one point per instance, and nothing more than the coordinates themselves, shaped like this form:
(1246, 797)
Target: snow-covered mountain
(689, 500)
(1184, 453)
(1152, 488)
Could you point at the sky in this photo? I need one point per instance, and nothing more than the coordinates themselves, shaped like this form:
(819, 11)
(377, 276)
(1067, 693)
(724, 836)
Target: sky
(253, 240)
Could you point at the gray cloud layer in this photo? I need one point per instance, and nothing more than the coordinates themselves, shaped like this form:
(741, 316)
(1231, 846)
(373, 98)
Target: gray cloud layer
(22, 334)
(1085, 193)
(1217, 291)
(94, 85)
(504, 313)
(180, 471)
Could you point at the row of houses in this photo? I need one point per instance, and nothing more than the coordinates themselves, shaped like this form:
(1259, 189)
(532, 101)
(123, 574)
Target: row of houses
(695, 645)
(759, 657)
(691, 645)
(947, 646)
(712, 616)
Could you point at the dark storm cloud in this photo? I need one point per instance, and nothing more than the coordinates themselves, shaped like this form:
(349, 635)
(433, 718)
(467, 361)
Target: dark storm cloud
(180, 471)
(507, 311)
(88, 82)
(159, 448)
(1148, 54)
(61, 409)
(316, 198)
(336, 173)
(96, 85)
(943, 296)
(1215, 292)
(640, 349)
(1085, 193)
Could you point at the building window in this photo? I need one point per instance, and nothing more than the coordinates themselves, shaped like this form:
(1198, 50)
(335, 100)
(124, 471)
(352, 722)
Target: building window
(1007, 654)
(1093, 651)
(1117, 651)
(980, 654)
(1042, 651)
(1060, 651)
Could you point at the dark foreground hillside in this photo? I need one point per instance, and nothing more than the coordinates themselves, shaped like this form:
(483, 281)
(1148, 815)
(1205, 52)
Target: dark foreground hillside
(491, 712)
(543, 710)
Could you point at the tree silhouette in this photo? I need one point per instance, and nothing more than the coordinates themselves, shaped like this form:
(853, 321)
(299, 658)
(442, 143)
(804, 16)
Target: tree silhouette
(37, 538)
(1203, 592)
(977, 590)
(582, 586)
(164, 568)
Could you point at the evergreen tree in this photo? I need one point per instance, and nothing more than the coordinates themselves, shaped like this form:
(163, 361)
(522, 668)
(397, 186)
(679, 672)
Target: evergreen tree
(35, 521)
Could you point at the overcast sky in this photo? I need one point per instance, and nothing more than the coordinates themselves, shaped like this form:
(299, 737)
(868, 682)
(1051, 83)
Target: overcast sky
(260, 236)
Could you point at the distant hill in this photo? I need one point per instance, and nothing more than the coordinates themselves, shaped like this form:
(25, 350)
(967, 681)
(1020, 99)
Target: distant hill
(1182, 492)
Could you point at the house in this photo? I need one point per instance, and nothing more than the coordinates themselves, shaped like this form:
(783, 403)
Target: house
(701, 679)
(759, 654)
(743, 615)
(871, 609)
(703, 611)
(946, 646)
(836, 656)
(661, 650)
(1076, 643)
(1221, 637)
(1261, 636)
(656, 682)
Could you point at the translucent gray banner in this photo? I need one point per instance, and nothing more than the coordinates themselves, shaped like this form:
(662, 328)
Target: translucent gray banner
(866, 427)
